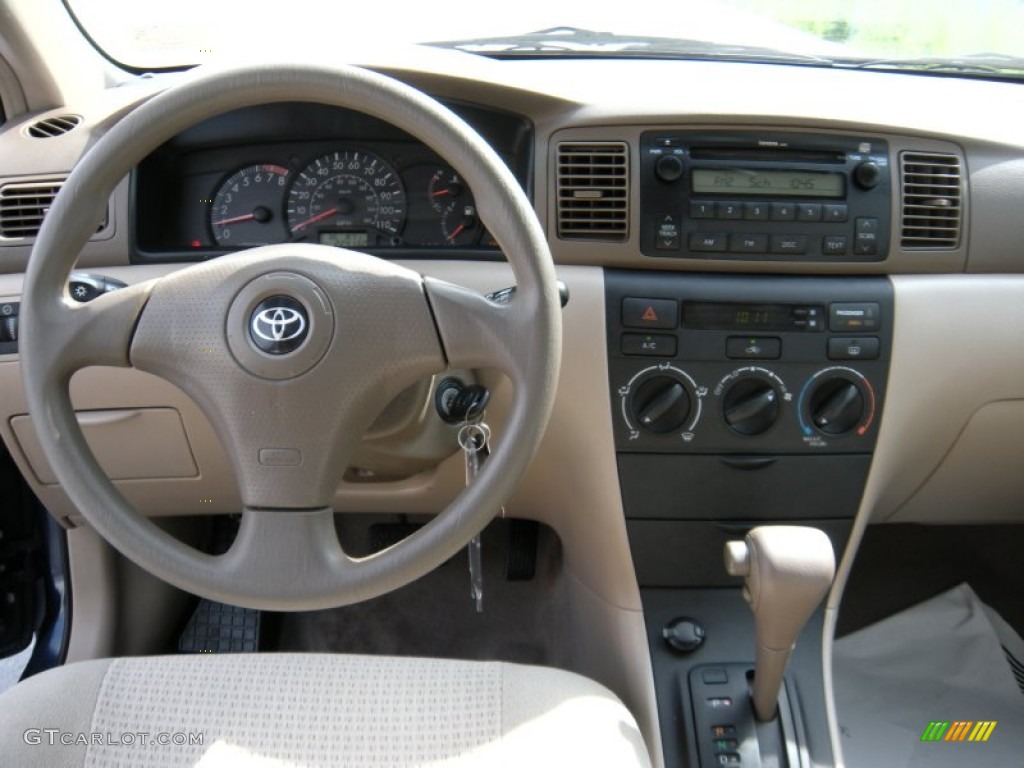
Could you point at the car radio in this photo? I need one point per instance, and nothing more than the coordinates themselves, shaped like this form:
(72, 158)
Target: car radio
(778, 196)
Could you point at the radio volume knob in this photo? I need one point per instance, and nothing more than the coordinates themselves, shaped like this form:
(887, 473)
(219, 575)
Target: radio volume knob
(669, 168)
(867, 175)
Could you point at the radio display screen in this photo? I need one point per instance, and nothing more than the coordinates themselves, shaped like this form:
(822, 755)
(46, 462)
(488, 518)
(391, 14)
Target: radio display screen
(745, 181)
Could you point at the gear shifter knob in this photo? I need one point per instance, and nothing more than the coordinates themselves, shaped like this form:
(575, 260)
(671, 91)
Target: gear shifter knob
(787, 571)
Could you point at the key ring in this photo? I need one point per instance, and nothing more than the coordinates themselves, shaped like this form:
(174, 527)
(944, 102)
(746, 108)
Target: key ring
(468, 435)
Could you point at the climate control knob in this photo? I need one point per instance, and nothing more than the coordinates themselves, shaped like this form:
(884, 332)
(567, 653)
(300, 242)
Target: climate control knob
(661, 404)
(750, 407)
(837, 406)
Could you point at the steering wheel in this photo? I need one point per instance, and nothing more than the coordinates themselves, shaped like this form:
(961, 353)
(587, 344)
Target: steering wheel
(290, 351)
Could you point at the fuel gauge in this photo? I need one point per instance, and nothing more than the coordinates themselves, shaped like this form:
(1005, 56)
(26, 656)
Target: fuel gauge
(460, 225)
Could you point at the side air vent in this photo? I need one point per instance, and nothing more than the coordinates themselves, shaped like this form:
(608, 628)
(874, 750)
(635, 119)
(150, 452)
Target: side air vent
(932, 200)
(593, 190)
(23, 206)
(49, 127)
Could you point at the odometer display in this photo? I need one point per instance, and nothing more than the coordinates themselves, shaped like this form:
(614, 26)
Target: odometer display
(744, 181)
(346, 190)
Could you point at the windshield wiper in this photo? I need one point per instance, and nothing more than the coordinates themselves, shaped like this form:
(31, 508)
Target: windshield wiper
(572, 41)
(979, 64)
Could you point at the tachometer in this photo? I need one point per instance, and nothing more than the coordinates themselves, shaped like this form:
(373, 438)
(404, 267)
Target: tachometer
(246, 208)
(348, 191)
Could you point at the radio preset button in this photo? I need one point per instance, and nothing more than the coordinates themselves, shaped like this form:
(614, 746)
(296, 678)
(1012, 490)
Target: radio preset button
(755, 211)
(748, 243)
(808, 212)
(783, 212)
(700, 210)
(834, 245)
(836, 214)
(650, 313)
(853, 317)
(730, 210)
(793, 245)
(708, 242)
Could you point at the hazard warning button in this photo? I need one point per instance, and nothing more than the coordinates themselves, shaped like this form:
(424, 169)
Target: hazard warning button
(650, 313)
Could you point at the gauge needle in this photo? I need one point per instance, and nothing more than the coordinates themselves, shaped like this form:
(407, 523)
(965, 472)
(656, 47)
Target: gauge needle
(456, 232)
(441, 192)
(314, 219)
(235, 219)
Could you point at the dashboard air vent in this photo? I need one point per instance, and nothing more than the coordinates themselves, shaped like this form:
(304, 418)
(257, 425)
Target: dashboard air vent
(932, 200)
(49, 127)
(593, 190)
(23, 206)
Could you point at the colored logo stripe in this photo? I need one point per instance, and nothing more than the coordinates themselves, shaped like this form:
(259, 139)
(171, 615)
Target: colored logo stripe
(958, 730)
(982, 730)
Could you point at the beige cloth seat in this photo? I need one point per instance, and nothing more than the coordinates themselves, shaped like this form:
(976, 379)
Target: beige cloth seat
(277, 710)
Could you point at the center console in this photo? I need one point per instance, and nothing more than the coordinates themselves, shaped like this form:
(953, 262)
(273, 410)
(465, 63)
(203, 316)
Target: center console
(737, 401)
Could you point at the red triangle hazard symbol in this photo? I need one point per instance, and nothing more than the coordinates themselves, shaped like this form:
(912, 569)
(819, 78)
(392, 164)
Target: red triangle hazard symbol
(650, 315)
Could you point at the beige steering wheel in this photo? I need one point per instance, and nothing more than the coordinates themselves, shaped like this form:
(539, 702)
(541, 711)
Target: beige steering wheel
(291, 411)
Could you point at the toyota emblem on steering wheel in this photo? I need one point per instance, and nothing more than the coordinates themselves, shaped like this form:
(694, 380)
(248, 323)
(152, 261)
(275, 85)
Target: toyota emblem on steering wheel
(278, 325)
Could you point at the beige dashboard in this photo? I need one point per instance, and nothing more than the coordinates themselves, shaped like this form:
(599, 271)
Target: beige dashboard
(964, 317)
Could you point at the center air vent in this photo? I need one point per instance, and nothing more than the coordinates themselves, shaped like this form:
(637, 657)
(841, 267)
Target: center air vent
(593, 190)
(932, 200)
(49, 127)
(23, 206)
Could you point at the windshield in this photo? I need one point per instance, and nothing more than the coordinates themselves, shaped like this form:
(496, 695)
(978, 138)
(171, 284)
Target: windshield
(979, 38)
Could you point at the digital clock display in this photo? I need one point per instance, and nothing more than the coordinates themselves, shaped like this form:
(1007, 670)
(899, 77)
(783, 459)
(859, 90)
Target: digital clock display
(745, 181)
(715, 316)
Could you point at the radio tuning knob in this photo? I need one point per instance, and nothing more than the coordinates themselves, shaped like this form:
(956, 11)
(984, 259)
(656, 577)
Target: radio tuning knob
(867, 175)
(669, 168)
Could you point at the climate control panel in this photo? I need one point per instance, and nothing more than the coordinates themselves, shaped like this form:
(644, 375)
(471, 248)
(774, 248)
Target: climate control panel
(747, 365)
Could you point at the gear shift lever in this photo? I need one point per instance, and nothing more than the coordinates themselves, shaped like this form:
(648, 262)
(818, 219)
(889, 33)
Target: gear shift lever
(787, 571)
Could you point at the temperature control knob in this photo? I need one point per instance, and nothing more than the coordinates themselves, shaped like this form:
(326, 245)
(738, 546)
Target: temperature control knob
(750, 406)
(837, 406)
(661, 404)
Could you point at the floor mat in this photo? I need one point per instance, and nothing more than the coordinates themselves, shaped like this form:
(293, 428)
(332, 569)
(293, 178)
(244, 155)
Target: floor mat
(940, 661)
(522, 621)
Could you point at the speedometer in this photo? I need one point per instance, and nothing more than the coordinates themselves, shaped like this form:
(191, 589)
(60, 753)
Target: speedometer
(353, 192)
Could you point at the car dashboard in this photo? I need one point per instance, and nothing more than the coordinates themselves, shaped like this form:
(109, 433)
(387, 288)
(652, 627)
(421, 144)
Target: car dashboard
(794, 296)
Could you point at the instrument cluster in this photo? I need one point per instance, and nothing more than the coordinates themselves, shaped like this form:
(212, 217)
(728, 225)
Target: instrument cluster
(350, 197)
(308, 173)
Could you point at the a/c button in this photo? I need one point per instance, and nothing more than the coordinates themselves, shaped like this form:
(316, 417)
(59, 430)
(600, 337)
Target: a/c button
(653, 344)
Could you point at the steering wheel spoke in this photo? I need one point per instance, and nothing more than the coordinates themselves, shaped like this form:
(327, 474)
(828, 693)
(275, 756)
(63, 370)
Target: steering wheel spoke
(96, 333)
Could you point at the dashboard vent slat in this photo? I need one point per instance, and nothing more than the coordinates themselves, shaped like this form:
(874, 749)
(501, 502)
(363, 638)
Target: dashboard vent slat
(23, 206)
(932, 200)
(50, 127)
(593, 190)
